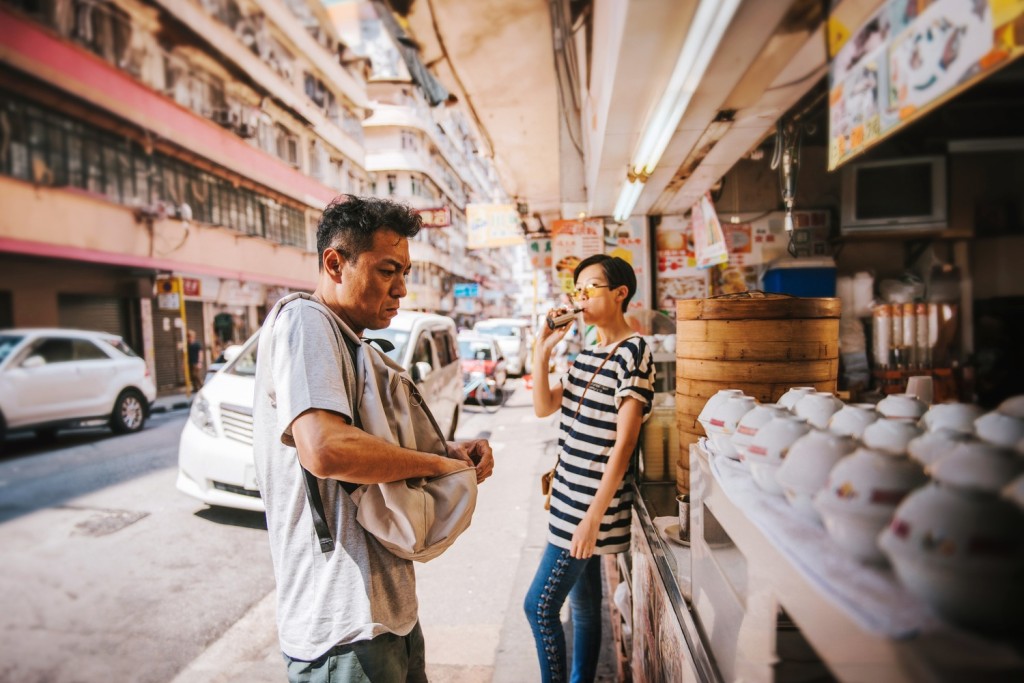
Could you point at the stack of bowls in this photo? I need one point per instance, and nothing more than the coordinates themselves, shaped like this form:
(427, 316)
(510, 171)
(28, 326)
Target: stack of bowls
(722, 421)
(805, 470)
(750, 424)
(860, 495)
(768, 448)
(852, 419)
(958, 545)
(817, 407)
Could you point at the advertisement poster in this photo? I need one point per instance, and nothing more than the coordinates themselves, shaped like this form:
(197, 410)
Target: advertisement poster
(493, 225)
(571, 242)
(908, 57)
(676, 273)
(539, 249)
(937, 50)
(708, 238)
(628, 241)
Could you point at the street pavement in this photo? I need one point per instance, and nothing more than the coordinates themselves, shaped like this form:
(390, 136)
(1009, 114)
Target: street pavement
(470, 597)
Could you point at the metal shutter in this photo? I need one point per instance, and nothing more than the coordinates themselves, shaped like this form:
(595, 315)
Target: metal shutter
(87, 312)
(170, 369)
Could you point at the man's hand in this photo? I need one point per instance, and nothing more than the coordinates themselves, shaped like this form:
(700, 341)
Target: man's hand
(476, 453)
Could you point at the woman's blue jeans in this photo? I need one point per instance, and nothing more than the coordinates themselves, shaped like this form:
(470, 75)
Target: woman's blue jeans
(559, 576)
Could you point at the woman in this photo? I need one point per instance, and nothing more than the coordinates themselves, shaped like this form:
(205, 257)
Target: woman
(603, 400)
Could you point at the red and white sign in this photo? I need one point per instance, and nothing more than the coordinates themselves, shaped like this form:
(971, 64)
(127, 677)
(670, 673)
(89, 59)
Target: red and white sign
(436, 218)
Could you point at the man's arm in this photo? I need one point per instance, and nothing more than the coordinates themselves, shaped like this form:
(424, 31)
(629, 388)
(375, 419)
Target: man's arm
(331, 448)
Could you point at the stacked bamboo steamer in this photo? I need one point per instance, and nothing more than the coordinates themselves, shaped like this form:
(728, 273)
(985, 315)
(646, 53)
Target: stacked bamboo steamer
(760, 343)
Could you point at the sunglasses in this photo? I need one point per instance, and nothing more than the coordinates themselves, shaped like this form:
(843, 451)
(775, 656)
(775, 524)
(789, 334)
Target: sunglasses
(589, 291)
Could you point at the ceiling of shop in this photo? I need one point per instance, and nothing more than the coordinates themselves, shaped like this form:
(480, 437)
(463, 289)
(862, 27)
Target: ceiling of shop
(497, 56)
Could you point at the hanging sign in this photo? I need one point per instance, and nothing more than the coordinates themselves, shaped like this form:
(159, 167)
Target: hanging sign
(493, 225)
(435, 218)
(467, 290)
(540, 252)
(571, 242)
(708, 238)
(168, 293)
(908, 58)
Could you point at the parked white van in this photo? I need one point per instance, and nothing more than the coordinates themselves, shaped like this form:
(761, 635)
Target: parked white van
(215, 460)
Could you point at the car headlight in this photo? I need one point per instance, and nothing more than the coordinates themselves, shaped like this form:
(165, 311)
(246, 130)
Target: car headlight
(201, 416)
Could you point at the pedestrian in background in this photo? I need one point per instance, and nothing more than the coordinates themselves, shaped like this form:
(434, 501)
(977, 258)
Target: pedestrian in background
(349, 614)
(604, 399)
(195, 361)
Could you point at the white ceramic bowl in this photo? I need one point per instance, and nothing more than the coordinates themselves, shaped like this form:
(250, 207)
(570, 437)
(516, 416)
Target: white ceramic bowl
(789, 399)
(957, 417)
(751, 423)
(977, 466)
(805, 470)
(860, 495)
(853, 419)
(934, 445)
(1013, 406)
(768, 448)
(999, 428)
(856, 534)
(669, 343)
(817, 407)
(889, 435)
(712, 404)
(960, 552)
(902, 407)
(722, 423)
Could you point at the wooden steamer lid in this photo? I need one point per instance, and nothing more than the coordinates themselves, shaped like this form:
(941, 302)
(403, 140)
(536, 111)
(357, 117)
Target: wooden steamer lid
(756, 306)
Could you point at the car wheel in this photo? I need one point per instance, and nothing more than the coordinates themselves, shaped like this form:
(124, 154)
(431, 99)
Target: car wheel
(129, 412)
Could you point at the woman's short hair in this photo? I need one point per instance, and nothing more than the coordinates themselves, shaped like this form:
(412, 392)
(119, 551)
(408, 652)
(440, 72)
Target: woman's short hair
(618, 272)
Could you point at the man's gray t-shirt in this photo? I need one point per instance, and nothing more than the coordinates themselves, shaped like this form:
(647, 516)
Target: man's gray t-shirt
(360, 590)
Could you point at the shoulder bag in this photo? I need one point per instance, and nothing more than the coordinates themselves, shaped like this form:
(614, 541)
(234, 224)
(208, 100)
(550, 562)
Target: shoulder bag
(415, 519)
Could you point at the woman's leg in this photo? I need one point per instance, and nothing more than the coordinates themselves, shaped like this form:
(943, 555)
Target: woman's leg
(555, 577)
(585, 601)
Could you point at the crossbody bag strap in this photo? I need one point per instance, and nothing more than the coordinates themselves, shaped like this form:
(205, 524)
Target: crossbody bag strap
(312, 483)
(611, 353)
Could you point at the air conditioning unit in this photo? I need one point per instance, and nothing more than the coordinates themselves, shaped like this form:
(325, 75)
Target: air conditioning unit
(223, 117)
(247, 130)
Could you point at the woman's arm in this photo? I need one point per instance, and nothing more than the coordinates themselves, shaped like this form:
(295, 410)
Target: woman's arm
(627, 432)
(546, 399)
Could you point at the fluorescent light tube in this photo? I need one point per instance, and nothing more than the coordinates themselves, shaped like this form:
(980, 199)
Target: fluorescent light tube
(627, 199)
(705, 33)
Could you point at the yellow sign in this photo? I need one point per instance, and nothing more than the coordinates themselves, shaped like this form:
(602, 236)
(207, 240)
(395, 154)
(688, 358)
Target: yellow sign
(493, 225)
(168, 293)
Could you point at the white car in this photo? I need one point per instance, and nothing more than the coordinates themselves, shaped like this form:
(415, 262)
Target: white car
(215, 459)
(54, 378)
(513, 334)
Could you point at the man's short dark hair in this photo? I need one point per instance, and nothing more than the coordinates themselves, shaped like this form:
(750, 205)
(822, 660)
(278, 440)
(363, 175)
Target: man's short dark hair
(618, 272)
(349, 223)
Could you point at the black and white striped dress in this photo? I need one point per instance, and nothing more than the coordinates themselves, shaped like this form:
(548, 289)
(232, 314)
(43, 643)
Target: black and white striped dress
(587, 442)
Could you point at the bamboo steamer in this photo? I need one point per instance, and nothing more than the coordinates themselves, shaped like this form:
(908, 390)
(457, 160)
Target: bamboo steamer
(762, 344)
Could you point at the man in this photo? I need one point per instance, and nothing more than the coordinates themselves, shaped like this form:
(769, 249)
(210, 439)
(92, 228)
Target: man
(350, 614)
(195, 361)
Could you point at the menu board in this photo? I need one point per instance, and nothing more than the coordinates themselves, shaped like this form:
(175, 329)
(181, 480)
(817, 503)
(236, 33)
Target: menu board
(908, 57)
(571, 242)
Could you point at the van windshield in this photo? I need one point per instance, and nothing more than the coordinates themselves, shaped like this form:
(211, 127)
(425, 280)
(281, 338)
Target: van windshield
(400, 338)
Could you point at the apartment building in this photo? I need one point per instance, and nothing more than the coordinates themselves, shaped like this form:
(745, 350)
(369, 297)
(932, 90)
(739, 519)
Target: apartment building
(191, 142)
(430, 158)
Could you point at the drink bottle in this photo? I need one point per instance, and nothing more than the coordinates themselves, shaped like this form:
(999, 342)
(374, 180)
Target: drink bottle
(563, 319)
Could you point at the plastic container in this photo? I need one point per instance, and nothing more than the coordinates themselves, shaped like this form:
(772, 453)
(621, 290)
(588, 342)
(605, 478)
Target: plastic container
(812, 277)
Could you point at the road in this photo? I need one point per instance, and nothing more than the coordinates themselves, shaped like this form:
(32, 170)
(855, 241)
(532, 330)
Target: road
(112, 575)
